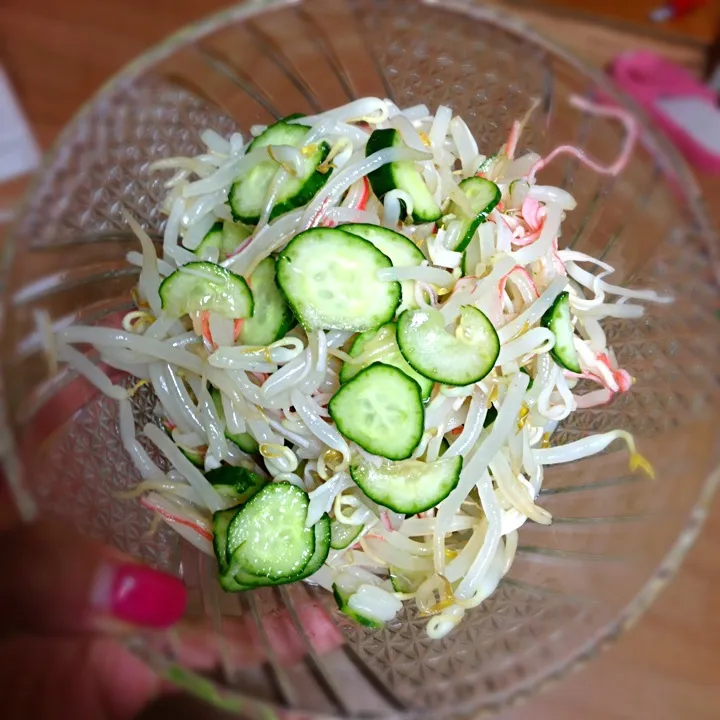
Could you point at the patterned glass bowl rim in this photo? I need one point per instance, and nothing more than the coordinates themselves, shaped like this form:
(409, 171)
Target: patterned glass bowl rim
(656, 144)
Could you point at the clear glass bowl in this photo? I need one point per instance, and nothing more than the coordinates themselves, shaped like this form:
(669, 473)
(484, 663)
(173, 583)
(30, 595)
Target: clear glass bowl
(617, 536)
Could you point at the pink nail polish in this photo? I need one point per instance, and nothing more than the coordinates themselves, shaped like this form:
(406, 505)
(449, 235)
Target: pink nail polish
(140, 595)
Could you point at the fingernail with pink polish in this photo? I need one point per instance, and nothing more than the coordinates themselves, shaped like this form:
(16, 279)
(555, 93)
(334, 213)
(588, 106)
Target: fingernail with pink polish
(140, 595)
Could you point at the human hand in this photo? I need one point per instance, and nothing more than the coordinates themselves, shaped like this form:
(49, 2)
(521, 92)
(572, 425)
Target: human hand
(65, 602)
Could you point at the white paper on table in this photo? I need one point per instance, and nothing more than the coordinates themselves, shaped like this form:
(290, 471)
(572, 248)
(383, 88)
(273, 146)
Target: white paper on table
(697, 117)
(19, 152)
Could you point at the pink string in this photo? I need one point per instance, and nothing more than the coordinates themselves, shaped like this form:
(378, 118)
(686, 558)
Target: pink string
(513, 138)
(385, 518)
(517, 269)
(175, 518)
(631, 134)
(241, 247)
(362, 203)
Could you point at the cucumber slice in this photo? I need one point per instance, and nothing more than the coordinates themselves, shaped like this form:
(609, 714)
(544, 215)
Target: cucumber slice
(279, 133)
(211, 241)
(459, 359)
(471, 257)
(366, 341)
(229, 584)
(483, 195)
(247, 581)
(196, 457)
(444, 447)
(225, 237)
(271, 318)
(323, 534)
(221, 521)
(268, 536)
(205, 286)
(234, 235)
(245, 441)
(247, 196)
(341, 598)
(329, 277)
(411, 487)
(349, 590)
(487, 164)
(527, 372)
(381, 409)
(402, 176)
(321, 530)
(236, 483)
(402, 251)
(490, 416)
(557, 319)
(342, 535)
(381, 336)
(516, 184)
(405, 581)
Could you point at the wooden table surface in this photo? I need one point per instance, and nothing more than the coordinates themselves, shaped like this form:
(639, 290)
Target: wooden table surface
(699, 26)
(668, 666)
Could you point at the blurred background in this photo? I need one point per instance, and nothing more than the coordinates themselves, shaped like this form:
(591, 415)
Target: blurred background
(54, 56)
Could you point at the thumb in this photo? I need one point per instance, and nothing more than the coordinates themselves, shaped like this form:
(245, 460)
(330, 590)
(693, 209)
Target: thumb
(55, 580)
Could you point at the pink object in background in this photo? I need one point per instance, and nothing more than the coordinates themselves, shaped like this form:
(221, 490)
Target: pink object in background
(681, 106)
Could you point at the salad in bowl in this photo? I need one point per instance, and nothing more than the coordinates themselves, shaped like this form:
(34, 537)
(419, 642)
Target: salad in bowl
(361, 333)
